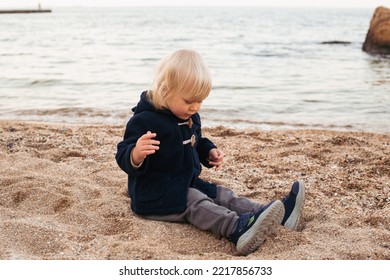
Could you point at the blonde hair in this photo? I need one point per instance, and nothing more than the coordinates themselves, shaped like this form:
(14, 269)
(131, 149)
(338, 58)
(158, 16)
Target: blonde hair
(183, 72)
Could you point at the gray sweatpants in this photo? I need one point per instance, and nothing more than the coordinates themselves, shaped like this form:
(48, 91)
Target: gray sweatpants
(217, 215)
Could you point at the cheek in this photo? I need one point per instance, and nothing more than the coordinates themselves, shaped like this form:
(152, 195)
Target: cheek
(184, 108)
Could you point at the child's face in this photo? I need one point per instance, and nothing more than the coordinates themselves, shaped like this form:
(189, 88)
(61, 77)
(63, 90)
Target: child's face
(183, 107)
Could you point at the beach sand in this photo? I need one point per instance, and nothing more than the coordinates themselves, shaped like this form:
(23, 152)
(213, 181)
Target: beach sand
(62, 195)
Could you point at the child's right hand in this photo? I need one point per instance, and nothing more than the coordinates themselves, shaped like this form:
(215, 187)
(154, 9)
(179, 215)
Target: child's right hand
(145, 146)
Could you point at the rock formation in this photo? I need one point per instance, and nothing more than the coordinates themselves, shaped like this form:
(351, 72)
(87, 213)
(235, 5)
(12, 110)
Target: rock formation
(378, 36)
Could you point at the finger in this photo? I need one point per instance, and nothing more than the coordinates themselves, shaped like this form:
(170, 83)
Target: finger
(217, 166)
(154, 142)
(146, 139)
(214, 153)
(148, 146)
(215, 163)
(148, 135)
(150, 143)
(148, 152)
(220, 159)
(217, 154)
(152, 147)
(220, 154)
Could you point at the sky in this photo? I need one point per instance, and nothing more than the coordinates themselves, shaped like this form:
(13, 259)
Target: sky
(114, 3)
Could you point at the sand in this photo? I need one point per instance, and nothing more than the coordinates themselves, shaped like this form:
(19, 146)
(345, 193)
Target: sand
(62, 196)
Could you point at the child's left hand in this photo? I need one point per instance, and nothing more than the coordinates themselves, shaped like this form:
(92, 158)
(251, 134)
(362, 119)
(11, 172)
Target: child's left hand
(216, 158)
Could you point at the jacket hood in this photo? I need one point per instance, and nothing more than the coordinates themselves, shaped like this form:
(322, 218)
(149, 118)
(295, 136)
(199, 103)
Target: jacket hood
(143, 105)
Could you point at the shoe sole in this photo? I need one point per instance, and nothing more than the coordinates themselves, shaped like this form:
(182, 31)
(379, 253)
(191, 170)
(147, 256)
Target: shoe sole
(265, 224)
(293, 220)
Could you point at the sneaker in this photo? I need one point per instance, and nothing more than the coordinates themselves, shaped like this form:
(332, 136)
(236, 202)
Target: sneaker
(253, 228)
(293, 204)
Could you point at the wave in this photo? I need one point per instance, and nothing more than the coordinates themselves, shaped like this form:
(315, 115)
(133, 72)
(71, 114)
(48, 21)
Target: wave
(335, 42)
(17, 54)
(235, 87)
(77, 112)
(68, 115)
(272, 125)
(45, 82)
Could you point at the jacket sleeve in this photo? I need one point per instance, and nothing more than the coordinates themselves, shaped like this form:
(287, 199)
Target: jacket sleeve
(203, 148)
(204, 145)
(135, 128)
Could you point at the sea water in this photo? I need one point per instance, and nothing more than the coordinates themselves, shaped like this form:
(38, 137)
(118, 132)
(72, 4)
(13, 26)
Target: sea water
(272, 68)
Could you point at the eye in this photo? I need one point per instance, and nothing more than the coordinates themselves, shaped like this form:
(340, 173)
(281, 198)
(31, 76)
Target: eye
(188, 102)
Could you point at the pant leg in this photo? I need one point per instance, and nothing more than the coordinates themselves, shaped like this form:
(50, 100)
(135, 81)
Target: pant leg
(203, 213)
(241, 205)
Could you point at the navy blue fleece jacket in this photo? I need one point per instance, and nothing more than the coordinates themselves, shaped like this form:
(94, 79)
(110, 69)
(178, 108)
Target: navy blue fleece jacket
(160, 185)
